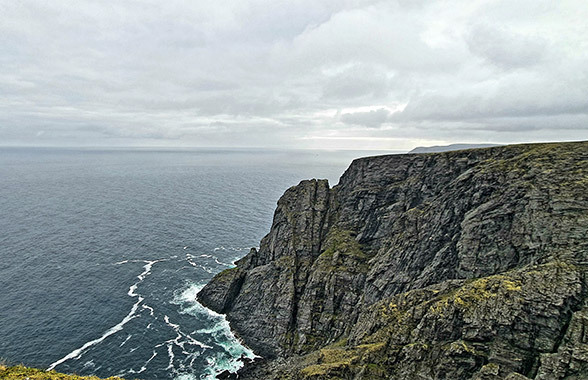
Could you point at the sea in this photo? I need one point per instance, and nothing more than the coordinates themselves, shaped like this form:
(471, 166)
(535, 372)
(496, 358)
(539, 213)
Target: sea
(102, 252)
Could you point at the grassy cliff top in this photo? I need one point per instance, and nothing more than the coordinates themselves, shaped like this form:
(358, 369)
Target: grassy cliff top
(25, 373)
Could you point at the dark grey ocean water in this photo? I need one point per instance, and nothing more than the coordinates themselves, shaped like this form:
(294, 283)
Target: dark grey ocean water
(103, 251)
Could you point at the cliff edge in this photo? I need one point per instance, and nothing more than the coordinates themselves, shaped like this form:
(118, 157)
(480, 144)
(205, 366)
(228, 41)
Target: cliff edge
(25, 373)
(459, 265)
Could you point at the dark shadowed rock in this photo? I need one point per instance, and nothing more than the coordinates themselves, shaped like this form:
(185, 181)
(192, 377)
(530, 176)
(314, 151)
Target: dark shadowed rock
(458, 265)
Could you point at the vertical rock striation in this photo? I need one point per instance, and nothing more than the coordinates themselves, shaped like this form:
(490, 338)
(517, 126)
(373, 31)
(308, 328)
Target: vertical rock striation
(455, 265)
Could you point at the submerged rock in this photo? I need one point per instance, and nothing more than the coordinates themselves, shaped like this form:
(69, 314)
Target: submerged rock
(457, 265)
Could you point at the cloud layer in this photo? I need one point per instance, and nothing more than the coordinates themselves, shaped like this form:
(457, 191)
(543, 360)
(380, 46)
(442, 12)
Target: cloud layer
(323, 73)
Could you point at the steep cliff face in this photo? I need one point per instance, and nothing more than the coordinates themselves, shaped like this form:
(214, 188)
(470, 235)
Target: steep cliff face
(457, 265)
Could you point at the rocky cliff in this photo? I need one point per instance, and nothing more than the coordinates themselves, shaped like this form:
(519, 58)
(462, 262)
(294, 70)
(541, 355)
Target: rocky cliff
(460, 265)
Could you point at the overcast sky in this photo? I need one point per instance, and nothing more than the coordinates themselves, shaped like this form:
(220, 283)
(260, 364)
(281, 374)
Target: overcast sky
(304, 74)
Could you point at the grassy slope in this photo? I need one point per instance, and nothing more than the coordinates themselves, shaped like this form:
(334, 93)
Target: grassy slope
(25, 373)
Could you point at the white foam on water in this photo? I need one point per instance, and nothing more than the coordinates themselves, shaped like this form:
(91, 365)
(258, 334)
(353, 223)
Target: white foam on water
(181, 340)
(147, 307)
(208, 270)
(192, 263)
(218, 364)
(234, 249)
(195, 342)
(193, 357)
(126, 340)
(220, 332)
(215, 329)
(221, 263)
(180, 334)
(170, 352)
(144, 367)
(147, 267)
(229, 264)
(135, 261)
(186, 376)
(132, 289)
(173, 325)
(189, 294)
(77, 353)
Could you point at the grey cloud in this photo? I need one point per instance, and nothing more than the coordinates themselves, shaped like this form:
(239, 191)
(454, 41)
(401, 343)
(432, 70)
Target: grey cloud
(504, 49)
(256, 73)
(370, 119)
(357, 81)
(533, 95)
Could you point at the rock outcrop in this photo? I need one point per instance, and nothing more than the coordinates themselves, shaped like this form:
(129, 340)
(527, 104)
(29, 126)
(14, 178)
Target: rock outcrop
(460, 265)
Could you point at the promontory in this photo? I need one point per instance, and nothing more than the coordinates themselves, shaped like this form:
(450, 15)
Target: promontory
(468, 264)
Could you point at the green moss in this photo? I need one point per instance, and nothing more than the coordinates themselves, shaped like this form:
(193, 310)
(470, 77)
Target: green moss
(371, 348)
(463, 348)
(474, 292)
(394, 321)
(568, 160)
(416, 210)
(311, 342)
(490, 369)
(25, 373)
(227, 275)
(332, 361)
(342, 242)
(342, 254)
(338, 355)
(335, 361)
(286, 262)
(340, 343)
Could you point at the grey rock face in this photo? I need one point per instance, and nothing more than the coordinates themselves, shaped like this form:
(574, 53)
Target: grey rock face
(456, 265)
(259, 296)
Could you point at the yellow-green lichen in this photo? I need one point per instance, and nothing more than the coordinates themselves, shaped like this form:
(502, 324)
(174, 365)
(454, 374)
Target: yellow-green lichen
(331, 360)
(341, 250)
(24, 373)
(334, 360)
(342, 242)
(475, 292)
(461, 347)
(226, 275)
